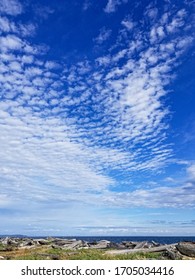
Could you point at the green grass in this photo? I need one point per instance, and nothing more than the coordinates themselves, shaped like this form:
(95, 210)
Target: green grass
(28, 257)
(2, 247)
(94, 254)
(45, 253)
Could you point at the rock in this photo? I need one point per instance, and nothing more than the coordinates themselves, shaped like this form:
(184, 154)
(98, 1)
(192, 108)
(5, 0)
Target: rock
(5, 241)
(41, 241)
(103, 244)
(2, 258)
(113, 245)
(27, 243)
(8, 241)
(68, 244)
(141, 245)
(143, 250)
(63, 242)
(136, 245)
(172, 254)
(186, 248)
(74, 245)
(128, 244)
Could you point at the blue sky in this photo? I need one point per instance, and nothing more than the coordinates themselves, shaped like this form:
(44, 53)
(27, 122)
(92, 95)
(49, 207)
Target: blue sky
(97, 117)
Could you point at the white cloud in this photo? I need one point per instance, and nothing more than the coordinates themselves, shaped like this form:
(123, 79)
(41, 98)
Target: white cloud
(161, 197)
(5, 25)
(185, 42)
(26, 29)
(112, 5)
(128, 24)
(23, 30)
(157, 34)
(191, 172)
(11, 7)
(151, 12)
(177, 195)
(27, 59)
(103, 35)
(15, 66)
(104, 60)
(143, 228)
(10, 42)
(51, 65)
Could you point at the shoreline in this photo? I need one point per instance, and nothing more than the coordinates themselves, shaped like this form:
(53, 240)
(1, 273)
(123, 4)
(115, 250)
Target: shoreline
(12, 246)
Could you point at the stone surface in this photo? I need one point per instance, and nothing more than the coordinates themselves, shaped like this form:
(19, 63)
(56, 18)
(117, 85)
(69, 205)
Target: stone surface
(103, 244)
(74, 245)
(140, 245)
(41, 241)
(129, 244)
(186, 248)
(161, 248)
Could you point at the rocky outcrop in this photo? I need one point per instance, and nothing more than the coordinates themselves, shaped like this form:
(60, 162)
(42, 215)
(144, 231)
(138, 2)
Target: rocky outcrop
(186, 248)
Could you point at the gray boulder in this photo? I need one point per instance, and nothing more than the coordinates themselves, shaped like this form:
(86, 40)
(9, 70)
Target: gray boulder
(63, 242)
(103, 244)
(41, 241)
(74, 245)
(8, 241)
(186, 248)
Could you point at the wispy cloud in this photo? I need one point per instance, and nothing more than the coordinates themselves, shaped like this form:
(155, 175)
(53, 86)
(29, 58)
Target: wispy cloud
(128, 23)
(147, 228)
(42, 12)
(151, 12)
(191, 172)
(112, 5)
(21, 29)
(162, 197)
(11, 7)
(103, 35)
(87, 4)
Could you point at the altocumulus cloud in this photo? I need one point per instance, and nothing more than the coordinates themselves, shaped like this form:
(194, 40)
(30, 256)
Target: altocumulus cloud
(66, 129)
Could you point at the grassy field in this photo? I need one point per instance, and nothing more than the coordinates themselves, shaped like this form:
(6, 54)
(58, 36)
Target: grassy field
(45, 253)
